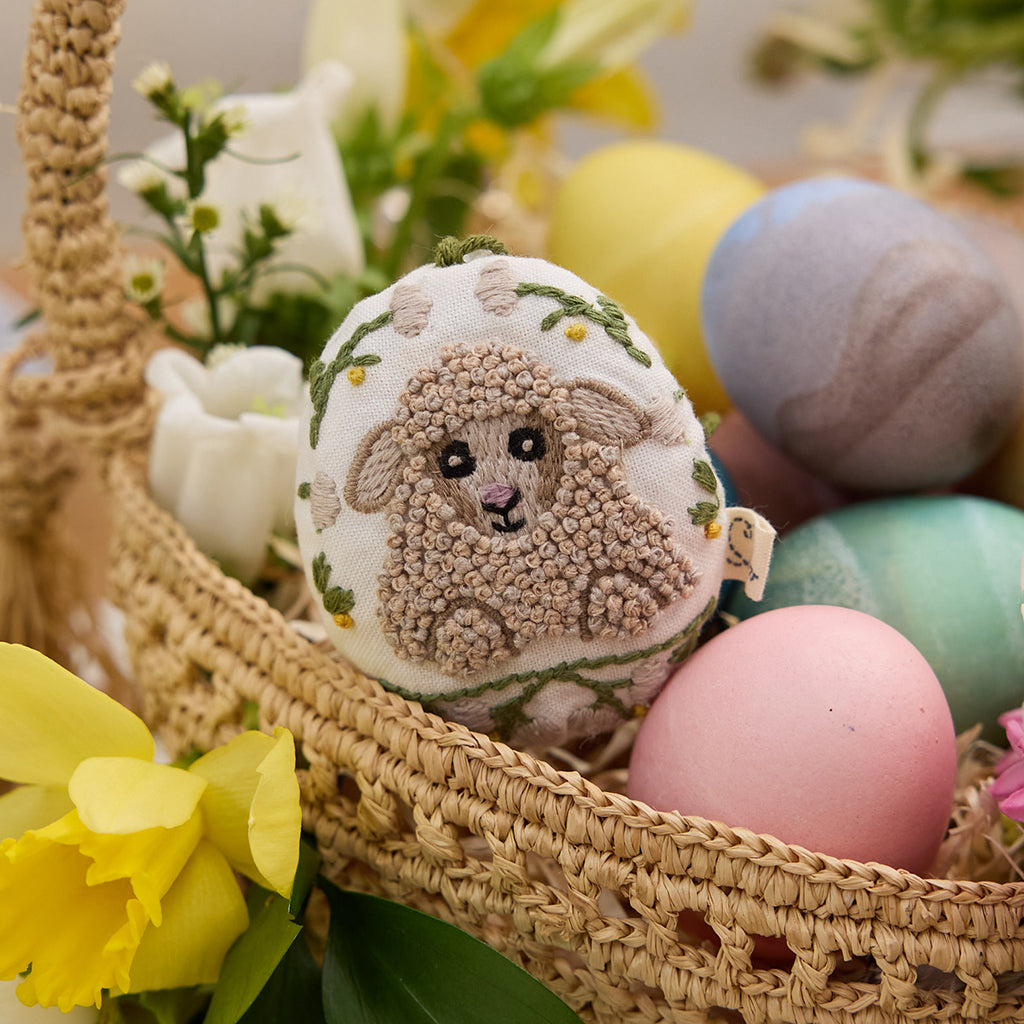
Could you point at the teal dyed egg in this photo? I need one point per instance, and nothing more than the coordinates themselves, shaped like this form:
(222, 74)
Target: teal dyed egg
(944, 570)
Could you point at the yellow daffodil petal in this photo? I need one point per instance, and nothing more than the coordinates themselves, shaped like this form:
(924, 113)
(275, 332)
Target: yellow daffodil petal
(251, 806)
(624, 98)
(490, 25)
(123, 794)
(27, 807)
(79, 938)
(204, 913)
(14, 1011)
(50, 720)
(151, 859)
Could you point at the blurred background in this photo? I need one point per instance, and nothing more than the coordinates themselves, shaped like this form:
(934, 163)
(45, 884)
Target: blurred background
(701, 76)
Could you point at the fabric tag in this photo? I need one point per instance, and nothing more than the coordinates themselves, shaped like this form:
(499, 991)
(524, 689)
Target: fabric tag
(751, 537)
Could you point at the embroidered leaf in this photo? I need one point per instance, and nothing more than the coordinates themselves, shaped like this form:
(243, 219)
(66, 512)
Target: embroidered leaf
(705, 476)
(679, 394)
(305, 490)
(322, 377)
(608, 316)
(338, 601)
(321, 572)
(386, 963)
(703, 512)
(710, 421)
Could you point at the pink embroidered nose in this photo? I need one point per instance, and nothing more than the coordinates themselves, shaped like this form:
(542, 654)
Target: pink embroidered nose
(498, 495)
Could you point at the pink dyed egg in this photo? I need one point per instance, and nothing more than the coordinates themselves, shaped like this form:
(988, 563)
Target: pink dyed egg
(820, 725)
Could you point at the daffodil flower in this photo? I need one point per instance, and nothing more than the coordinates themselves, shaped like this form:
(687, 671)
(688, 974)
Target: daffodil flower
(117, 873)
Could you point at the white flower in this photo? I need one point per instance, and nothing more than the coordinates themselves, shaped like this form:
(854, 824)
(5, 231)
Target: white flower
(369, 40)
(14, 1011)
(294, 210)
(288, 135)
(143, 277)
(611, 32)
(141, 176)
(202, 216)
(195, 316)
(154, 78)
(235, 119)
(224, 449)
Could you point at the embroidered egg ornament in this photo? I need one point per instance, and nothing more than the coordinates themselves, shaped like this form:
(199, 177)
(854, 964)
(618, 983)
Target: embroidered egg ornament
(506, 508)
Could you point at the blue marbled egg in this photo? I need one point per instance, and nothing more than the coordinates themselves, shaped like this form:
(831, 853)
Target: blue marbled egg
(944, 570)
(864, 335)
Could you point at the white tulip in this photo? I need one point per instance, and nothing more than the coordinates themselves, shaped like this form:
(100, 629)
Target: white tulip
(222, 460)
(289, 137)
(368, 39)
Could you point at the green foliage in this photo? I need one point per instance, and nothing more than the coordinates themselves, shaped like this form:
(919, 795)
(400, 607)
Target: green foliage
(388, 964)
(254, 958)
(950, 41)
(517, 88)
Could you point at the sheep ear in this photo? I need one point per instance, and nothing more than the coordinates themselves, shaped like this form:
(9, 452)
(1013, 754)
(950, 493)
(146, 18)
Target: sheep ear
(606, 415)
(375, 472)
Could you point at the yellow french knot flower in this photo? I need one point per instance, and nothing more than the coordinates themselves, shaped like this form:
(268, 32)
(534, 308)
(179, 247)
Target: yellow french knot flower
(356, 375)
(576, 332)
(344, 621)
(117, 873)
(712, 530)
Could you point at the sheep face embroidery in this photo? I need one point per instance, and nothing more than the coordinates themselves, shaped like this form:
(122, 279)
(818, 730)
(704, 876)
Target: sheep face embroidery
(508, 510)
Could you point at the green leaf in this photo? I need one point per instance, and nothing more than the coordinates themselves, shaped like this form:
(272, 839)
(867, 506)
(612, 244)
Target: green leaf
(253, 958)
(705, 476)
(388, 964)
(305, 876)
(293, 992)
(175, 1005)
(703, 512)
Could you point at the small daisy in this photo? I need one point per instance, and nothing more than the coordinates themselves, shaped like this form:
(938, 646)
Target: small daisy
(154, 79)
(202, 216)
(143, 278)
(141, 176)
(235, 119)
(294, 211)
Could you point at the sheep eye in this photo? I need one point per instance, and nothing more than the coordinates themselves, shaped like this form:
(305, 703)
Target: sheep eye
(526, 444)
(455, 460)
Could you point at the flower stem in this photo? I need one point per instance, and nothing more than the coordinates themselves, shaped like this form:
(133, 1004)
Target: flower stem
(922, 113)
(427, 172)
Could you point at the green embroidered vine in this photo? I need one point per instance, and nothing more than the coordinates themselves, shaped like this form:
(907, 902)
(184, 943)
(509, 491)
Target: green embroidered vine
(510, 714)
(705, 513)
(451, 251)
(337, 601)
(322, 376)
(609, 316)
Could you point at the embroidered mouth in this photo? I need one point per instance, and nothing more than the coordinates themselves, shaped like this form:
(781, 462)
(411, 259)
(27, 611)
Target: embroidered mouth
(505, 524)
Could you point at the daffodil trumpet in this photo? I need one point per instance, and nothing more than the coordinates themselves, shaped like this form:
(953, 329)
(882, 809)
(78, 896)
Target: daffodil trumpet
(118, 874)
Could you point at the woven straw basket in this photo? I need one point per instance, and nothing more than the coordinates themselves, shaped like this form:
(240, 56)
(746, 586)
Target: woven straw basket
(582, 887)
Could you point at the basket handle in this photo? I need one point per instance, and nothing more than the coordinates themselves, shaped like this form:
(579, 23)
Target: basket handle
(96, 342)
(95, 391)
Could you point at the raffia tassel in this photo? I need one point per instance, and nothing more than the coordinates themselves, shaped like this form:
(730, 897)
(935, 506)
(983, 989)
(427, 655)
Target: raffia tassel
(41, 577)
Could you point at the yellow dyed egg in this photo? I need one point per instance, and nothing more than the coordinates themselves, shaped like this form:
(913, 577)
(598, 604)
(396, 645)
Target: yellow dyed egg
(639, 220)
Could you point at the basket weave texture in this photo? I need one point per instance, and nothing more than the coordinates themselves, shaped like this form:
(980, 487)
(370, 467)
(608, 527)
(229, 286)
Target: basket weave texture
(582, 887)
